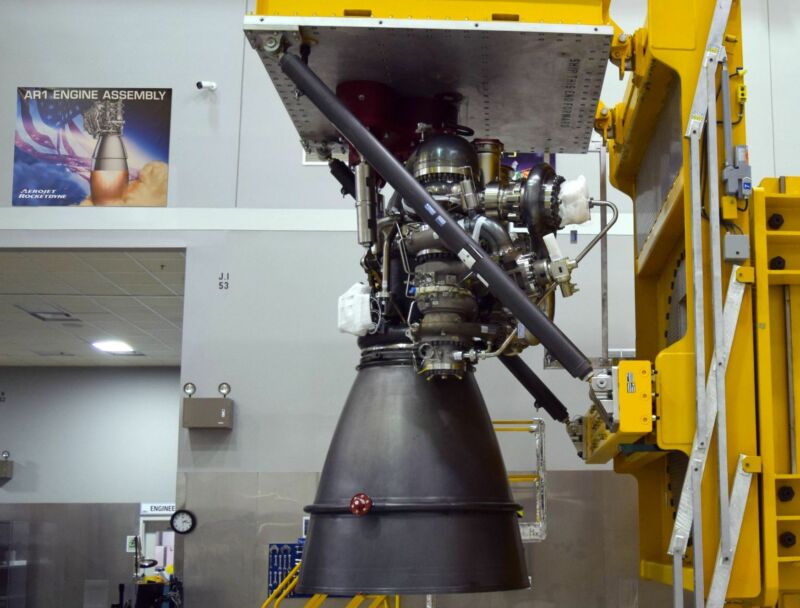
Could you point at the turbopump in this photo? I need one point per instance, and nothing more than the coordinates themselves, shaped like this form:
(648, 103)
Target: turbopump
(422, 295)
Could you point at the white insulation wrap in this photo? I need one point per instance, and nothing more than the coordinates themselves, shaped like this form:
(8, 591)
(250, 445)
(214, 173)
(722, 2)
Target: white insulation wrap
(553, 250)
(574, 196)
(354, 312)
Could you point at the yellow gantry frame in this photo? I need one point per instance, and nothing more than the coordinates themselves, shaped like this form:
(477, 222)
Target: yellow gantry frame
(668, 53)
(635, 396)
(778, 303)
(585, 12)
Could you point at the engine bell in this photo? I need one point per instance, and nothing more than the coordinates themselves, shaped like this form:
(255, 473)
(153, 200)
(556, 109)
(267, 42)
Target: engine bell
(414, 496)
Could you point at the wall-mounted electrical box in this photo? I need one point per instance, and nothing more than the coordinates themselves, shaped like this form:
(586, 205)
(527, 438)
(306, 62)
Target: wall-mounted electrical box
(6, 471)
(207, 413)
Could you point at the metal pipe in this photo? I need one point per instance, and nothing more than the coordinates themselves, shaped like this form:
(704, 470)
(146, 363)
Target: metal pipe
(697, 535)
(286, 592)
(474, 355)
(677, 577)
(316, 600)
(716, 305)
(453, 236)
(494, 233)
(522, 478)
(787, 306)
(387, 232)
(603, 260)
(501, 348)
(727, 120)
(543, 396)
(279, 589)
(356, 601)
(365, 204)
(600, 235)
(699, 359)
(498, 239)
(513, 422)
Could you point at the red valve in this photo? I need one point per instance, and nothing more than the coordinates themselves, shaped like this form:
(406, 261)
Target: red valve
(360, 504)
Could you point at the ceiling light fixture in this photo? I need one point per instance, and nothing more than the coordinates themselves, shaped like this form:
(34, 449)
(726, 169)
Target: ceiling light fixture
(53, 314)
(114, 347)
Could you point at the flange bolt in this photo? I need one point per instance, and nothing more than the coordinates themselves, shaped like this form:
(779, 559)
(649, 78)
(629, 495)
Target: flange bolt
(777, 263)
(787, 539)
(785, 493)
(272, 44)
(775, 221)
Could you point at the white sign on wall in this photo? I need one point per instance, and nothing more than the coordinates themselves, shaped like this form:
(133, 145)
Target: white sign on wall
(157, 508)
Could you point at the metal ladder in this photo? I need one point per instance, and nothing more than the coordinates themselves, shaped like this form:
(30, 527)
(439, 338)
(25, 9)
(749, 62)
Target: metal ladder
(710, 391)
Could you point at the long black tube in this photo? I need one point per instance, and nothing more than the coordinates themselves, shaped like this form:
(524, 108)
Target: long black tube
(453, 236)
(543, 396)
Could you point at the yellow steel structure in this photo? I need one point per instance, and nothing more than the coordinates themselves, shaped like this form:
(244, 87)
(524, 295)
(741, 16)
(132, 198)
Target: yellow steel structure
(777, 305)
(587, 12)
(657, 420)
(635, 391)
(665, 60)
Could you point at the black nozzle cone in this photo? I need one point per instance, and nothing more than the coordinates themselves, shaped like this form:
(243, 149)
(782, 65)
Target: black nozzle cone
(436, 511)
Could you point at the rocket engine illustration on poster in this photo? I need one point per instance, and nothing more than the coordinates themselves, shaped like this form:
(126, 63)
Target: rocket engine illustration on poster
(85, 147)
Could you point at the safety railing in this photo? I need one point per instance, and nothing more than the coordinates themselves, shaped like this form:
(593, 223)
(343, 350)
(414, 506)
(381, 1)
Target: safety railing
(288, 584)
(532, 527)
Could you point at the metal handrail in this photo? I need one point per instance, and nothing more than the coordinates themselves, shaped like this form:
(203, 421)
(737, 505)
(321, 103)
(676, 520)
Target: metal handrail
(287, 580)
(290, 581)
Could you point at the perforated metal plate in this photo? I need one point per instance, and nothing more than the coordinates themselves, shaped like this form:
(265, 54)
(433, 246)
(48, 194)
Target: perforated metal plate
(533, 86)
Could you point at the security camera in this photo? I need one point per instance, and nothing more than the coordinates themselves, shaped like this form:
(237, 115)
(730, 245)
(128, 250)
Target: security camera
(206, 84)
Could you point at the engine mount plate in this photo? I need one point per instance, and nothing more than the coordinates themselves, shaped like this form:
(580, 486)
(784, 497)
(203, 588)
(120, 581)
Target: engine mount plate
(534, 86)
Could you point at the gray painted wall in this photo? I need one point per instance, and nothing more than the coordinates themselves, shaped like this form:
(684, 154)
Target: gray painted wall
(74, 553)
(89, 435)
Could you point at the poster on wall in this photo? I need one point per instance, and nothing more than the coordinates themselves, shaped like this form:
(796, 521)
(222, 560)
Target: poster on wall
(91, 147)
(521, 163)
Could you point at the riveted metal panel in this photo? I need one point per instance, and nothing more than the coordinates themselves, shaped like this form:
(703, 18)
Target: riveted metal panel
(533, 86)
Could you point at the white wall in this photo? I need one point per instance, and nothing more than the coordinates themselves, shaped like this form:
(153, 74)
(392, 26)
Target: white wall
(784, 29)
(90, 434)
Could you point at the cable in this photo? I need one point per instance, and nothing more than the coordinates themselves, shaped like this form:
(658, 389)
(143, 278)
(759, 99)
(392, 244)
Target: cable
(738, 118)
(727, 224)
(731, 226)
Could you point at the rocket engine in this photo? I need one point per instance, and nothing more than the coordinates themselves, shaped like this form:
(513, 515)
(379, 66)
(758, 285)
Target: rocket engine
(109, 178)
(414, 496)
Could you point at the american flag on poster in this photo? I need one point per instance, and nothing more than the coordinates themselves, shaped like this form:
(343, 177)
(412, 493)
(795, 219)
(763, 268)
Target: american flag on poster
(84, 147)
